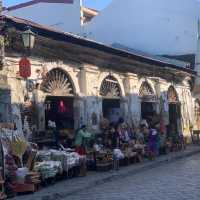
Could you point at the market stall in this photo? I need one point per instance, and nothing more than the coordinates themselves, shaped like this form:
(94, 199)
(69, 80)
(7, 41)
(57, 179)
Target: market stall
(24, 167)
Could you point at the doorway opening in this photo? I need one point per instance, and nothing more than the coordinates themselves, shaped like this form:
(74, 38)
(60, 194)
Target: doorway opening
(61, 111)
(173, 116)
(174, 110)
(60, 91)
(148, 102)
(147, 109)
(111, 92)
(111, 109)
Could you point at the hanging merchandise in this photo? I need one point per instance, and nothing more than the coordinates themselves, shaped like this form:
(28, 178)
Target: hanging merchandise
(48, 105)
(61, 107)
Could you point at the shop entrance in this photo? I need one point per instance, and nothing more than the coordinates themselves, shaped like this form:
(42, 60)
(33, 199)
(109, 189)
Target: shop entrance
(111, 93)
(174, 116)
(59, 103)
(111, 109)
(174, 110)
(147, 109)
(60, 110)
(148, 102)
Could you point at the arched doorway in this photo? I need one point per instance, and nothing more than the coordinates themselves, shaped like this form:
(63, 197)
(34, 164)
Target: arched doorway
(174, 110)
(59, 103)
(148, 102)
(197, 114)
(111, 93)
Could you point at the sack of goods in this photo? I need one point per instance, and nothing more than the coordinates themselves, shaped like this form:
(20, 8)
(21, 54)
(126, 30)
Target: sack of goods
(43, 155)
(73, 159)
(21, 174)
(48, 169)
(117, 154)
(67, 160)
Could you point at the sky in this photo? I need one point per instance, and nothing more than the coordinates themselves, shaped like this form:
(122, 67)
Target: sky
(96, 4)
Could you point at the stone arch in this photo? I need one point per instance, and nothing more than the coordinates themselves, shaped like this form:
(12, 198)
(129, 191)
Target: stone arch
(58, 82)
(116, 76)
(172, 95)
(141, 81)
(145, 89)
(110, 87)
(146, 92)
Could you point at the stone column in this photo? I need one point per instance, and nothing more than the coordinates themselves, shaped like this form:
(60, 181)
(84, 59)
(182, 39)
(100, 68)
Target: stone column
(39, 99)
(79, 112)
(134, 102)
(124, 109)
(158, 94)
(92, 107)
(83, 81)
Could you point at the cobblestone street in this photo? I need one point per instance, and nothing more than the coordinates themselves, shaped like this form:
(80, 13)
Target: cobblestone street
(169, 177)
(175, 181)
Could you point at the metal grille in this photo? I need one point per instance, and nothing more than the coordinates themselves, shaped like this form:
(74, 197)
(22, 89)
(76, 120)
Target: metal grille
(146, 93)
(57, 83)
(110, 88)
(145, 90)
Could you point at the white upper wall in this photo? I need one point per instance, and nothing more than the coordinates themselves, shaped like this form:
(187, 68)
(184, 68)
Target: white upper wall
(61, 16)
(153, 26)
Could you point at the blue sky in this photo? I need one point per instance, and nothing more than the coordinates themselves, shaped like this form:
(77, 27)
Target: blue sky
(97, 4)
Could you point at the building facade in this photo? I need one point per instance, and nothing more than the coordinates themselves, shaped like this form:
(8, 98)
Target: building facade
(75, 81)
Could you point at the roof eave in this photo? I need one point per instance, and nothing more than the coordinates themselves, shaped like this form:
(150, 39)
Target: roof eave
(21, 24)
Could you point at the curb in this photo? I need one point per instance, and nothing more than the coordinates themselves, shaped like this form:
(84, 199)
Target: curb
(116, 175)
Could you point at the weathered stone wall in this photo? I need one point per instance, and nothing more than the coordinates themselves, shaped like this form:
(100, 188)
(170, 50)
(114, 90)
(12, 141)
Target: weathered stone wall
(87, 81)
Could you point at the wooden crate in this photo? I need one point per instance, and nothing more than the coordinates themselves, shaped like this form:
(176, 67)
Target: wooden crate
(24, 187)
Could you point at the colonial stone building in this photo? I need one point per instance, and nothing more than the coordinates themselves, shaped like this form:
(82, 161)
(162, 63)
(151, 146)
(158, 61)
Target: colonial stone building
(76, 81)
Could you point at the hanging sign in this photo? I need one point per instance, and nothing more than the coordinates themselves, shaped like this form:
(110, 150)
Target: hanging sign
(24, 68)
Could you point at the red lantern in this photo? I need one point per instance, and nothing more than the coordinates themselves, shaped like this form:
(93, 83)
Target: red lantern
(24, 68)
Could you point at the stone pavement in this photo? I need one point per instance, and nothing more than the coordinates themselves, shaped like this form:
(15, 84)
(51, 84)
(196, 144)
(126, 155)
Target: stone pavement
(70, 187)
(173, 181)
